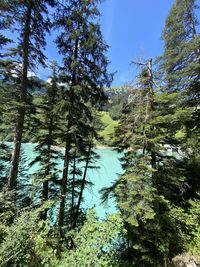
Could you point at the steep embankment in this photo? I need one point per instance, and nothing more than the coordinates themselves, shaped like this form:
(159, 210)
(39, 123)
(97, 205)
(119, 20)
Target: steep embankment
(109, 128)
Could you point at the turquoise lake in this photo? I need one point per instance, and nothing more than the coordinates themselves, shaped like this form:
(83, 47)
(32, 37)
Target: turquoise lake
(108, 171)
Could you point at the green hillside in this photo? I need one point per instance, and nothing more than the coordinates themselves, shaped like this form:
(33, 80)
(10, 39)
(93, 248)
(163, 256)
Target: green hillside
(109, 129)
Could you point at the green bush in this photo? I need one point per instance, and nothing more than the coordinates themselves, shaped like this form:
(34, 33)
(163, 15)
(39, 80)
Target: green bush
(20, 243)
(29, 243)
(94, 243)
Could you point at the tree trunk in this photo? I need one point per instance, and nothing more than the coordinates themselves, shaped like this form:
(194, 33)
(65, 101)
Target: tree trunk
(73, 190)
(44, 198)
(64, 180)
(153, 156)
(166, 261)
(45, 191)
(52, 96)
(82, 187)
(67, 146)
(12, 179)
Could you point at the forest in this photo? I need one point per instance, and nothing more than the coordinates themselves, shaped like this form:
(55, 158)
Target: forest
(153, 123)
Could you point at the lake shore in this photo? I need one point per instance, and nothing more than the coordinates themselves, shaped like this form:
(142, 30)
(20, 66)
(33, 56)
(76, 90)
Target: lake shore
(100, 147)
(105, 147)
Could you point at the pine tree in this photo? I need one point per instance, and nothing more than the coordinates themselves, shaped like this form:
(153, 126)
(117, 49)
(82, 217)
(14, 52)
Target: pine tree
(48, 127)
(85, 73)
(31, 26)
(5, 22)
(138, 187)
(181, 64)
(183, 75)
(157, 184)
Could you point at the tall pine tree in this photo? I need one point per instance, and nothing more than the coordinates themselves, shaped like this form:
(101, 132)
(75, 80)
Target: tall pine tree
(85, 73)
(31, 24)
(46, 178)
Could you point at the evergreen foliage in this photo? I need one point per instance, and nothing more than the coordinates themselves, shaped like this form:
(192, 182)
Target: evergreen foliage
(85, 73)
(155, 193)
(154, 124)
(48, 125)
(30, 242)
(31, 24)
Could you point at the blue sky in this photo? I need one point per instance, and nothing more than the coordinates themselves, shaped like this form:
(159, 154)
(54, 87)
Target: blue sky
(132, 29)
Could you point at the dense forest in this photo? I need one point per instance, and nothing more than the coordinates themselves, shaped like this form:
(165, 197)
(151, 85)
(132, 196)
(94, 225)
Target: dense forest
(154, 122)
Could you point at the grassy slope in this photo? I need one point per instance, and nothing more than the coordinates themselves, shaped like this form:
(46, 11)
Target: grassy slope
(109, 129)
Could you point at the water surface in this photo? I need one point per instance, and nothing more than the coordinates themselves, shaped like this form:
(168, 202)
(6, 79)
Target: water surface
(108, 171)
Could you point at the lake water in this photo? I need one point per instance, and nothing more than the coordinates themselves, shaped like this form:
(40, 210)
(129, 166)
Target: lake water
(108, 171)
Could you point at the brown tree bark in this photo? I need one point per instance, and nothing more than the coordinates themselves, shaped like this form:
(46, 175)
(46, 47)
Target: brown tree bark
(45, 191)
(73, 190)
(12, 179)
(82, 187)
(68, 145)
(64, 181)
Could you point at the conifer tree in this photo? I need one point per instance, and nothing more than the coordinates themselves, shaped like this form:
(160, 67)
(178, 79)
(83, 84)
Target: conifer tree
(157, 190)
(31, 25)
(181, 64)
(156, 183)
(85, 73)
(138, 187)
(46, 179)
(5, 22)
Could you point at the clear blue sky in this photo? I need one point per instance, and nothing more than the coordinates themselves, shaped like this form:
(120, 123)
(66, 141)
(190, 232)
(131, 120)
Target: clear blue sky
(132, 28)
